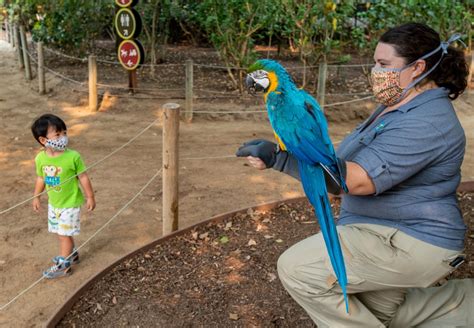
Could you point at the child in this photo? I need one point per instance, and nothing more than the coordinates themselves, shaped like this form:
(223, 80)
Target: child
(55, 165)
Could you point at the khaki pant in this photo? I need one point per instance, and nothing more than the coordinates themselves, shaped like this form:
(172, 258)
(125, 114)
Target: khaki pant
(385, 270)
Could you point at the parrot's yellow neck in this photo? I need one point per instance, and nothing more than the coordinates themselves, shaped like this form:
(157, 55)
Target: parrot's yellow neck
(273, 84)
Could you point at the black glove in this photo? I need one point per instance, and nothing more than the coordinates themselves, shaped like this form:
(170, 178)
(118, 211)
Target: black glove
(261, 148)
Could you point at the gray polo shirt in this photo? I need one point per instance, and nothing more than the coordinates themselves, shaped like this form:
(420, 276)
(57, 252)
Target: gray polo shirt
(413, 155)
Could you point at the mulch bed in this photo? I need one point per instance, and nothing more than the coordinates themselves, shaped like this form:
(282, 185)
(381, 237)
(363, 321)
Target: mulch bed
(217, 275)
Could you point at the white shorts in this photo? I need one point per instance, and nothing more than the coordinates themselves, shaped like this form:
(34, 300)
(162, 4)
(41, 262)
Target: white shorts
(64, 221)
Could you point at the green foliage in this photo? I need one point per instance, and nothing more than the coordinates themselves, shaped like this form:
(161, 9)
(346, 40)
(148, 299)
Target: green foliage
(445, 16)
(317, 29)
(232, 28)
(69, 24)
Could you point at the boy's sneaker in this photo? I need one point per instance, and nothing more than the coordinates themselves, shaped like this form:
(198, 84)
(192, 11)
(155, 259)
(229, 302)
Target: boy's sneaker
(62, 269)
(74, 258)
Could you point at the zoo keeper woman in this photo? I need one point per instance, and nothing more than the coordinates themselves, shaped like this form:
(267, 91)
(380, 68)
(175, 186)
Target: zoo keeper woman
(400, 227)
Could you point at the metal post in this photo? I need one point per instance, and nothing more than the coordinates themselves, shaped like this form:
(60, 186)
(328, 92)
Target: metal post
(26, 59)
(170, 167)
(189, 91)
(16, 33)
(323, 68)
(93, 101)
(41, 79)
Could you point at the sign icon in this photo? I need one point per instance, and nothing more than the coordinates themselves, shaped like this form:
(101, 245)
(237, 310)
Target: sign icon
(126, 3)
(127, 23)
(130, 54)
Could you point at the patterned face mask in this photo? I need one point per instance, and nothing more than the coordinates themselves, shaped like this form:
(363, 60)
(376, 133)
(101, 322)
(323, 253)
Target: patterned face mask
(386, 85)
(58, 144)
(386, 81)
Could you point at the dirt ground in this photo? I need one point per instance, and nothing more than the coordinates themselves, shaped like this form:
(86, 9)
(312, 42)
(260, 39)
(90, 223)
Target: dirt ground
(207, 187)
(218, 273)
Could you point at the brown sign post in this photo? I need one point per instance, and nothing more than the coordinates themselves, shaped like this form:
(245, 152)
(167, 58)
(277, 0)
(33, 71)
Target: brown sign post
(128, 26)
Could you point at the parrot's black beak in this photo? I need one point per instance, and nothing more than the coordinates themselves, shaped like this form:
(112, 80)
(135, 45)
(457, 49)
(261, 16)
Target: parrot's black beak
(250, 84)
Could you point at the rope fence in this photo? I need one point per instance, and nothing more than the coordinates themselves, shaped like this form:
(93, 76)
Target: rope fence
(187, 92)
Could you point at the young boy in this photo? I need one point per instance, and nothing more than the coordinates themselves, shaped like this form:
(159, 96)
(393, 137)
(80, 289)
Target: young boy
(56, 167)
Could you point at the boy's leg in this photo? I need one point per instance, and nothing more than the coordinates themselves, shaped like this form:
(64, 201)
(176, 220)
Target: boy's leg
(66, 246)
(376, 258)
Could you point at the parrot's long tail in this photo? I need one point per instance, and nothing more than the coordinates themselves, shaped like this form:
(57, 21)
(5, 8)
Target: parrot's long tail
(314, 186)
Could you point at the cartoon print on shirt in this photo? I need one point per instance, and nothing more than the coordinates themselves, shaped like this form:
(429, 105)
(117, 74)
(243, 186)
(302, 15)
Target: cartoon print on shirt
(52, 178)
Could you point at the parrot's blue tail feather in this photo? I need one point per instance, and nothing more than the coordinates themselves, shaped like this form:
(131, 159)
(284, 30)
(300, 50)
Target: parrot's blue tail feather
(314, 186)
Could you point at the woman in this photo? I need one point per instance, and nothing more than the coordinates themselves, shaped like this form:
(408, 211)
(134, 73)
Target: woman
(400, 227)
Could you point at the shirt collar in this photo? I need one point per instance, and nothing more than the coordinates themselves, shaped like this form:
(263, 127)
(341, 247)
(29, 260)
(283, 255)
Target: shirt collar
(424, 97)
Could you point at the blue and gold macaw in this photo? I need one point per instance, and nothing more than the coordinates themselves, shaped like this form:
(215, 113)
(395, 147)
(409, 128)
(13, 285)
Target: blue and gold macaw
(301, 129)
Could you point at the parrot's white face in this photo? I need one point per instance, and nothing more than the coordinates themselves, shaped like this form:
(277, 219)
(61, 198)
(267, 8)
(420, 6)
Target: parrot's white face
(257, 81)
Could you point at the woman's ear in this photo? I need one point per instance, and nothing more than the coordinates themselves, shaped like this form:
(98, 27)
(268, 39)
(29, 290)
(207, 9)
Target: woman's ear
(418, 68)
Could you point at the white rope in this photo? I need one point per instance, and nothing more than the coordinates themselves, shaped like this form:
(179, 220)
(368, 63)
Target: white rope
(87, 169)
(143, 89)
(60, 54)
(348, 102)
(63, 76)
(264, 111)
(211, 157)
(89, 239)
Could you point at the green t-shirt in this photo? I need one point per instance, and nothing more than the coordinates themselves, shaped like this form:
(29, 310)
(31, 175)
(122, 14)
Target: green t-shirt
(55, 170)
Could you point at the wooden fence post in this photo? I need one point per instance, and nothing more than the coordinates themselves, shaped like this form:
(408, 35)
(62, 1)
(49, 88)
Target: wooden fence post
(170, 167)
(16, 33)
(10, 33)
(26, 59)
(41, 80)
(5, 22)
(323, 69)
(189, 91)
(93, 101)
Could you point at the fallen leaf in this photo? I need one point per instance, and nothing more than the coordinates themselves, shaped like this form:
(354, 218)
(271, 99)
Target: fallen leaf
(271, 276)
(279, 241)
(252, 242)
(268, 236)
(224, 239)
(114, 300)
(233, 316)
(204, 235)
(195, 235)
(228, 225)
(99, 307)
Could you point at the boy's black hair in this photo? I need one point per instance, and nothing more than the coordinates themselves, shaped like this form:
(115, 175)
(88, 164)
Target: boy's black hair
(40, 126)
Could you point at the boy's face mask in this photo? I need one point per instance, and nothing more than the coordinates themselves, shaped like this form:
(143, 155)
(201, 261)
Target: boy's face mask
(58, 144)
(386, 81)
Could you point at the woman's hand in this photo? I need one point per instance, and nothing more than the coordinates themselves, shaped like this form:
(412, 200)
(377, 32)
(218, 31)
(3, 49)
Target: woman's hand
(260, 153)
(256, 163)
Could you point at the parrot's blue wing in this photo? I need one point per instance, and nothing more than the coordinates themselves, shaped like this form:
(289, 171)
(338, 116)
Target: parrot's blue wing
(312, 178)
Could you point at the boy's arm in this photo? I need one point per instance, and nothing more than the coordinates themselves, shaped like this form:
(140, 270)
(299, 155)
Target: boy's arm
(39, 187)
(87, 187)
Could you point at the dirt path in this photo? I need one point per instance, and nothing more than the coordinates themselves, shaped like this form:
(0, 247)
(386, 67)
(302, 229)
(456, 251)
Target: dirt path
(207, 187)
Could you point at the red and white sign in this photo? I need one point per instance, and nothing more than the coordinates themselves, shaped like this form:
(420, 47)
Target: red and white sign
(124, 3)
(130, 54)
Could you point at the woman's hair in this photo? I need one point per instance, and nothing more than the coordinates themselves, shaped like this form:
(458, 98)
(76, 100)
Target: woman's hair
(413, 40)
(40, 126)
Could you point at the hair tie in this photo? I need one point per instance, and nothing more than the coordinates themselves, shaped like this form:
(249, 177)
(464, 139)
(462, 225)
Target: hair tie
(445, 44)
